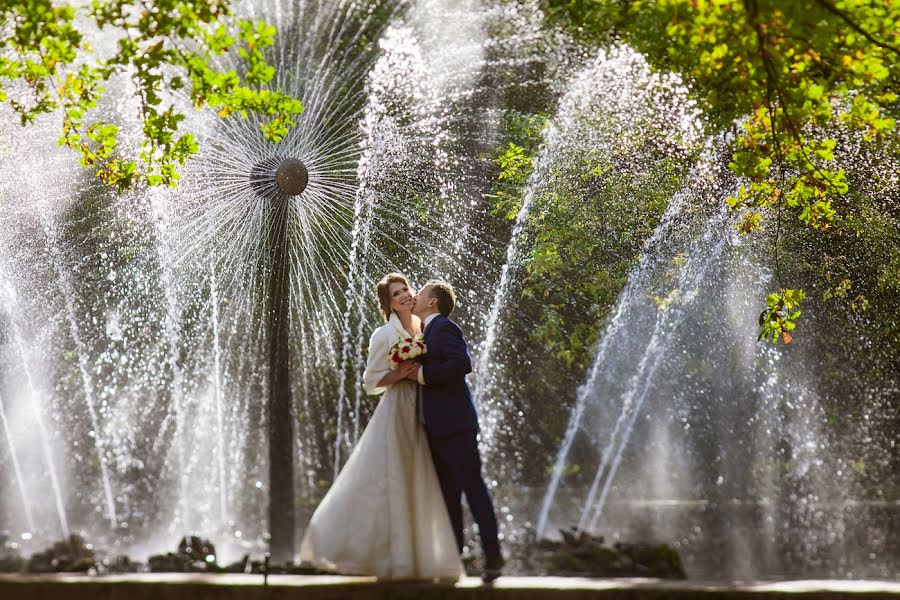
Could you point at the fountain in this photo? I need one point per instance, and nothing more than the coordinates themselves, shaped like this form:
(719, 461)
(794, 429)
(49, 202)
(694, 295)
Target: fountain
(178, 362)
(291, 178)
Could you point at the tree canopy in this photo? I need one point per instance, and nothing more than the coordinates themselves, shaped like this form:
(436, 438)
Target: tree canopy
(777, 76)
(161, 45)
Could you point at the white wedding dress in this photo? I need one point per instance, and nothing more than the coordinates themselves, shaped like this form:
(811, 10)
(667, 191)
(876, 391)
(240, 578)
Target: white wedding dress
(385, 515)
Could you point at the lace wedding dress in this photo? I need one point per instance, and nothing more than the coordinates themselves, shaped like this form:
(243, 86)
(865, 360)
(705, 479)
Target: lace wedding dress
(385, 515)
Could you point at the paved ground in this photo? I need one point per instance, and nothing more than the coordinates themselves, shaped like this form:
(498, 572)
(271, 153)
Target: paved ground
(297, 587)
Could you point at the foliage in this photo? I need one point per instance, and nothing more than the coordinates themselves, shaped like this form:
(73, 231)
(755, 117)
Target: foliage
(591, 216)
(774, 73)
(516, 161)
(779, 318)
(161, 45)
(856, 268)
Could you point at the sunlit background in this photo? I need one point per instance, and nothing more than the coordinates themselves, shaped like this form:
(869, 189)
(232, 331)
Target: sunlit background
(133, 378)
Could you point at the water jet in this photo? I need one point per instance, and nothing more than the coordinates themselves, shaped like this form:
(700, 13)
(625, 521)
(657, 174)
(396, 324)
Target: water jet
(207, 342)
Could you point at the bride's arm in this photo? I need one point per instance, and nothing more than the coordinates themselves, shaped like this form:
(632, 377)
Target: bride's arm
(378, 375)
(394, 376)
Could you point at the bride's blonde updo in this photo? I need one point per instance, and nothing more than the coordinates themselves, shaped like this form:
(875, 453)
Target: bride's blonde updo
(381, 289)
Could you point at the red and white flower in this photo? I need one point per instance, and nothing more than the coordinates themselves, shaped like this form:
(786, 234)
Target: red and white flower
(407, 348)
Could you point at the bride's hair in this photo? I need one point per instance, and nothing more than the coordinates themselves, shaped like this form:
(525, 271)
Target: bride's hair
(381, 289)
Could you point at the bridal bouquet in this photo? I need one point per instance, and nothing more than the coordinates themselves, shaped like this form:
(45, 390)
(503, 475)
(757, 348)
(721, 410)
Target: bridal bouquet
(407, 348)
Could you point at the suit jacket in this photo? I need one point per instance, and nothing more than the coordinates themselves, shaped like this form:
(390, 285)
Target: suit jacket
(446, 399)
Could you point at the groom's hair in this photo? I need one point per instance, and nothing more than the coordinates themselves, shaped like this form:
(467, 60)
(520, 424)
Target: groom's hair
(383, 291)
(444, 294)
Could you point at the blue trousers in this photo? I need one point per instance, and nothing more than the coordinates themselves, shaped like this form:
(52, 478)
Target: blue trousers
(458, 466)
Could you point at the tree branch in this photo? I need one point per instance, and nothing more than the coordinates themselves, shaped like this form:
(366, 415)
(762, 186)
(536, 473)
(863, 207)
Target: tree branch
(853, 25)
(773, 86)
(771, 96)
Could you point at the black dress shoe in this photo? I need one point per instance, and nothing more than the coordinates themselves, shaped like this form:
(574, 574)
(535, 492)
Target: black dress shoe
(492, 567)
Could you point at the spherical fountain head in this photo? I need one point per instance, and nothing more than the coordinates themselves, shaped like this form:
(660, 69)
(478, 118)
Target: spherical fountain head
(292, 176)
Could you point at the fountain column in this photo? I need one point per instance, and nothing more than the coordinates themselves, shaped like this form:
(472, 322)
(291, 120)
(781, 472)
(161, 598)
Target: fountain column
(290, 178)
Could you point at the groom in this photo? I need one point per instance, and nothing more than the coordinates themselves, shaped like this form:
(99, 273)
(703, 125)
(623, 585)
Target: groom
(451, 422)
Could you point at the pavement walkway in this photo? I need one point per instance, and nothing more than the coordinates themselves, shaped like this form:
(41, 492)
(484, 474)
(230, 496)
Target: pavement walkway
(175, 586)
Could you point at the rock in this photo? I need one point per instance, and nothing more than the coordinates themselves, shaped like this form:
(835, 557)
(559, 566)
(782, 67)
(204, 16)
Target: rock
(574, 538)
(196, 549)
(10, 560)
(67, 556)
(545, 544)
(240, 566)
(120, 564)
(660, 561)
(259, 567)
(581, 554)
(194, 555)
(166, 563)
(305, 569)
(11, 564)
(200, 566)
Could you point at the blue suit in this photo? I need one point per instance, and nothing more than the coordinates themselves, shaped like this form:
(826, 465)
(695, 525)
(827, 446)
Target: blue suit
(452, 426)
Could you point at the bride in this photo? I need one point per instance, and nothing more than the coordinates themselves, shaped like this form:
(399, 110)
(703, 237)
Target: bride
(384, 514)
